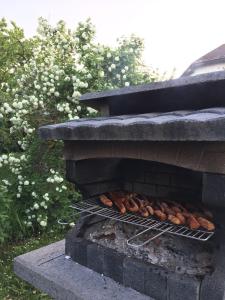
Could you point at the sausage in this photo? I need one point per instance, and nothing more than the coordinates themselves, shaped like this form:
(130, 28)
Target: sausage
(144, 212)
(176, 209)
(176, 204)
(208, 214)
(140, 202)
(174, 220)
(131, 205)
(192, 222)
(106, 201)
(150, 210)
(206, 224)
(120, 206)
(159, 214)
(180, 217)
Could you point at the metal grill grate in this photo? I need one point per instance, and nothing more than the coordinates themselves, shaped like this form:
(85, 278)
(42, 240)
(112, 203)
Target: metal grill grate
(91, 206)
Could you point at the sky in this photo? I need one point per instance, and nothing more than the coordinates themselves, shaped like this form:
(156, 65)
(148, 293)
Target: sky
(175, 32)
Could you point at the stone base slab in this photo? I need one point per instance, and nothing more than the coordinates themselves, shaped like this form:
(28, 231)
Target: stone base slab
(48, 270)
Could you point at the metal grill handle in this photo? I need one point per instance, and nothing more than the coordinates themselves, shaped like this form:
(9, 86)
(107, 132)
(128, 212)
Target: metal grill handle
(149, 240)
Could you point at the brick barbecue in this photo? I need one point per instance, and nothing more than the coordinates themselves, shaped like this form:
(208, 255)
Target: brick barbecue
(164, 140)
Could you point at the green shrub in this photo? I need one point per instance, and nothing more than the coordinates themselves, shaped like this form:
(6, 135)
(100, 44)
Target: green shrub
(42, 79)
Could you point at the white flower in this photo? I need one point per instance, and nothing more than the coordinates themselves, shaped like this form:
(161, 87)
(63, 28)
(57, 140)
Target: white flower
(18, 195)
(91, 110)
(36, 206)
(26, 182)
(117, 58)
(84, 35)
(76, 94)
(101, 74)
(11, 71)
(43, 223)
(127, 83)
(56, 94)
(113, 66)
(30, 130)
(109, 55)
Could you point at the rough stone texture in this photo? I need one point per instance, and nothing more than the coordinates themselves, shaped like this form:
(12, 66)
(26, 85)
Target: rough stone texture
(149, 279)
(213, 193)
(213, 285)
(199, 125)
(204, 156)
(134, 274)
(185, 287)
(113, 265)
(192, 92)
(156, 283)
(151, 178)
(48, 270)
(95, 257)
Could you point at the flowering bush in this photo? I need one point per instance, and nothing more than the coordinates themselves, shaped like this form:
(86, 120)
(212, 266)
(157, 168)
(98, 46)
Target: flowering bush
(41, 81)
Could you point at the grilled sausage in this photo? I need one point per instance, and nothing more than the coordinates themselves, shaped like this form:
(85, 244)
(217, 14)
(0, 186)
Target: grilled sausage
(181, 218)
(206, 224)
(159, 214)
(120, 205)
(106, 201)
(192, 222)
(150, 210)
(176, 209)
(208, 214)
(144, 212)
(174, 220)
(131, 205)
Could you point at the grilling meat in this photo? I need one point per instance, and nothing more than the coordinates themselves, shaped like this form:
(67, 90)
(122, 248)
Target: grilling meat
(167, 209)
(174, 220)
(176, 209)
(159, 214)
(150, 209)
(106, 201)
(206, 224)
(119, 203)
(144, 212)
(191, 216)
(192, 222)
(131, 205)
(181, 217)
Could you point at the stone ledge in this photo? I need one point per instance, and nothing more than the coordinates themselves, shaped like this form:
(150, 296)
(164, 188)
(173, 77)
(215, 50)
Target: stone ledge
(48, 270)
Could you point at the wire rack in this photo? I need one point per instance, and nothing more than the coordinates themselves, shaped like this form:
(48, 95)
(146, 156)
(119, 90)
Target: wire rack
(93, 206)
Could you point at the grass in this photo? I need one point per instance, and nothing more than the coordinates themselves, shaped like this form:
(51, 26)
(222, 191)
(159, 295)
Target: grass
(11, 287)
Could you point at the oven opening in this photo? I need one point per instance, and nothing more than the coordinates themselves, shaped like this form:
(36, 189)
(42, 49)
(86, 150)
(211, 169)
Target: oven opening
(147, 210)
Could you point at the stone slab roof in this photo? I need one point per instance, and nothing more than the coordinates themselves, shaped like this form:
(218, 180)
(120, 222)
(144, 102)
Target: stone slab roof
(197, 125)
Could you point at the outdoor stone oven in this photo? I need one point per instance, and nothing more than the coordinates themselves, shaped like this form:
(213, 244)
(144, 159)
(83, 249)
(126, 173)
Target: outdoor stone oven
(164, 140)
